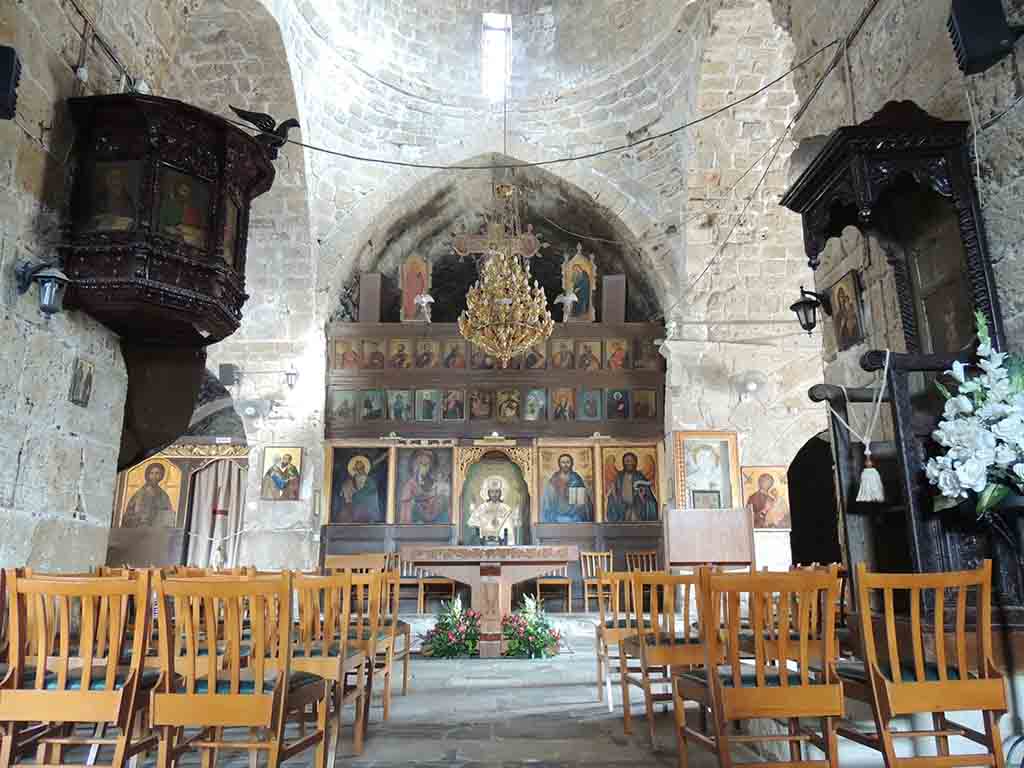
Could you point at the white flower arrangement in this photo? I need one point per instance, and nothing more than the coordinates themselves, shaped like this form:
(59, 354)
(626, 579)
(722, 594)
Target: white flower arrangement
(982, 430)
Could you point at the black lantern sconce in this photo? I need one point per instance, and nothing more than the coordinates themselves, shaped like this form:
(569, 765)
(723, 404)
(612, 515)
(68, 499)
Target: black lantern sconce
(52, 284)
(807, 308)
(231, 375)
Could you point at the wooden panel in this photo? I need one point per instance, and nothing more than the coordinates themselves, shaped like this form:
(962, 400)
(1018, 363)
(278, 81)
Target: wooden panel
(695, 536)
(201, 709)
(613, 299)
(369, 297)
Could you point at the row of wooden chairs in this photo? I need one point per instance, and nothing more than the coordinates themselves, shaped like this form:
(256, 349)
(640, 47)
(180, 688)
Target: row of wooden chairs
(748, 646)
(592, 564)
(230, 651)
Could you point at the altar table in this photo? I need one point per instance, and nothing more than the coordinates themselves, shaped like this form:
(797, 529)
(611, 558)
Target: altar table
(490, 573)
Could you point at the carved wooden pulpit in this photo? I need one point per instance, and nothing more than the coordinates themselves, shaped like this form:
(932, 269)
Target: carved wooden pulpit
(490, 573)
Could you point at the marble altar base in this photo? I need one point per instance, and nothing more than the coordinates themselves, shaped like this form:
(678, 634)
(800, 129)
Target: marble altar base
(489, 572)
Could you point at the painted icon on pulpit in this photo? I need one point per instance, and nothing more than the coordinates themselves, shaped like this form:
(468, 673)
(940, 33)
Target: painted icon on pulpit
(373, 355)
(424, 486)
(346, 355)
(414, 281)
(341, 405)
(536, 358)
(630, 483)
(846, 316)
(562, 354)
(568, 493)
(184, 207)
(509, 404)
(588, 355)
(590, 405)
(646, 356)
(536, 405)
(371, 405)
(453, 354)
(453, 405)
(617, 355)
(400, 353)
(563, 404)
(579, 276)
(359, 485)
(481, 404)
(230, 231)
(400, 405)
(109, 203)
(428, 353)
(428, 404)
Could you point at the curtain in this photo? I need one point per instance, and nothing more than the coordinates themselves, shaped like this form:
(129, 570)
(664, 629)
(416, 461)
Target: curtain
(218, 503)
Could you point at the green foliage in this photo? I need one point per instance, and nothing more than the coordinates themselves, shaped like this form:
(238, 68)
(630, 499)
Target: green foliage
(456, 632)
(528, 633)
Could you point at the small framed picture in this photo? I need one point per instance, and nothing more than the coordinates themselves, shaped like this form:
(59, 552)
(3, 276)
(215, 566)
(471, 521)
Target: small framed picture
(346, 355)
(645, 404)
(373, 355)
(591, 405)
(588, 355)
(427, 353)
(563, 355)
(617, 357)
(341, 405)
(481, 404)
(707, 499)
(847, 321)
(482, 361)
(428, 404)
(509, 404)
(536, 405)
(618, 404)
(400, 353)
(80, 390)
(563, 404)
(536, 358)
(371, 405)
(453, 354)
(400, 405)
(453, 406)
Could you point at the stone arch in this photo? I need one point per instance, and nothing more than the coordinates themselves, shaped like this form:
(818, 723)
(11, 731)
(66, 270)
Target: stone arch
(423, 218)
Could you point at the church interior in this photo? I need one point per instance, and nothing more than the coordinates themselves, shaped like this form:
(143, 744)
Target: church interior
(512, 382)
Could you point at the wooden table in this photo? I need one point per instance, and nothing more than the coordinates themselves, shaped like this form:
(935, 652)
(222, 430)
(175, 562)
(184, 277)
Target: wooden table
(490, 573)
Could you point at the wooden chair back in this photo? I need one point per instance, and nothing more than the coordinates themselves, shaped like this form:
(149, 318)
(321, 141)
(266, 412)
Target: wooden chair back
(961, 670)
(613, 610)
(669, 630)
(324, 616)
(593, 563)
(84, 637)
(368, 599)
(642, 560)
(781, 676)
(361, 563)
(234, 640)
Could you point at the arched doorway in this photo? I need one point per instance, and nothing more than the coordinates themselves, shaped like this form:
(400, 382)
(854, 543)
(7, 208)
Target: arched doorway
(814, 537)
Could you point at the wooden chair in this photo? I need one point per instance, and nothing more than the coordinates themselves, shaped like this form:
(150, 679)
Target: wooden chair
(780, 682)
(360, 563)
(896, 684)
(614, 624)
(198, 690)
(557, 578)
(76, 651)
(321, 646)
(591, 566)
(643, 560)
(664, 641)
(393, 628)
(367, 630)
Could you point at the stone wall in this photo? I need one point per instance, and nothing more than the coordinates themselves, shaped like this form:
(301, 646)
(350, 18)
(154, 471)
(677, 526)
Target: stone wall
(58, 460)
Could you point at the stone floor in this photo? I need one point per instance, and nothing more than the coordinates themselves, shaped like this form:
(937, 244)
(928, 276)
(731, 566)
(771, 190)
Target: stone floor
(507, 713)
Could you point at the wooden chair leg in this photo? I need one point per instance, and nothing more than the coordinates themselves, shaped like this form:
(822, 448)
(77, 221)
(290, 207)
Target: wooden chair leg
(405, 661)
(164, 749)
(600, 666)
(359, 716)
(254, 754)
(722, 746)
(995, 741)
(388, 666)
(627, 724)
(679, 713)
(941, 742)
(421, 598)
(649, 707)
(324, 754)
(828, 734)
(794, 746)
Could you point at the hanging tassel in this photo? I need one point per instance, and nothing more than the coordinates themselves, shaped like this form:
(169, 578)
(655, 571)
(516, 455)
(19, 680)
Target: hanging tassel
(871, 488)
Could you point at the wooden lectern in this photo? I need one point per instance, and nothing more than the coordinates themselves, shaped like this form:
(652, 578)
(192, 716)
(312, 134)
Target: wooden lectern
(696, 537)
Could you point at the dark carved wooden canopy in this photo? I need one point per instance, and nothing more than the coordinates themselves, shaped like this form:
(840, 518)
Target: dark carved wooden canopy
(843, 186)
(155, 243)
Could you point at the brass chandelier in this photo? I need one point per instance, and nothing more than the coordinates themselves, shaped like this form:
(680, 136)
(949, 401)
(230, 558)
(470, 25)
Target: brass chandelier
(504, 315)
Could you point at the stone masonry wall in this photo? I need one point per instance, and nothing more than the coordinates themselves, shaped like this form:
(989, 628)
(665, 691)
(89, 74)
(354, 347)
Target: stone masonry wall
(58, 460)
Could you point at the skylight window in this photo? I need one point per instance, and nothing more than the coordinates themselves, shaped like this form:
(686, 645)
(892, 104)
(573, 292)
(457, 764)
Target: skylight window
(496, 36)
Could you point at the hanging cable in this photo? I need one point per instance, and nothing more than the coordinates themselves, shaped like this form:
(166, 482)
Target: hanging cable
(554, 161)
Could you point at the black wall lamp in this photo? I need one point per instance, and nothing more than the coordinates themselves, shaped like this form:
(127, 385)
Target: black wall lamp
(807, 308)
(51, 280)
(231, 374)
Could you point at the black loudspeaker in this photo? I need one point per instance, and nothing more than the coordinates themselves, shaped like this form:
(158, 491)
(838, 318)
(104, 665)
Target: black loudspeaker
(980, 33)
(10, 74)
(228, 374)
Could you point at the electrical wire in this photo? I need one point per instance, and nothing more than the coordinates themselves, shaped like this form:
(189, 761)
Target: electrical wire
(553, 161)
